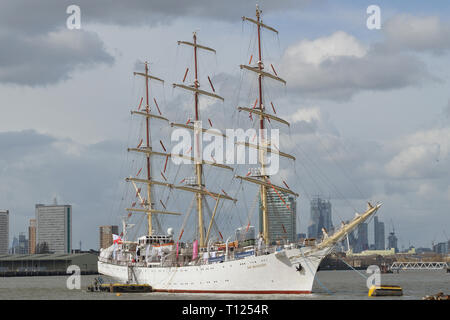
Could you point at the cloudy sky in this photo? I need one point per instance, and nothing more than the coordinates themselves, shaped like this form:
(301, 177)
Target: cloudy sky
(369, 109)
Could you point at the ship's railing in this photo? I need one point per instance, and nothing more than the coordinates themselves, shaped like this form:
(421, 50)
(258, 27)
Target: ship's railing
(113, 261)
(170, 259)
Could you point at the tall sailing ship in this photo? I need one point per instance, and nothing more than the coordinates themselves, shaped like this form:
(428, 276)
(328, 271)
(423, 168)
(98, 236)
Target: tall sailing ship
(206, 266)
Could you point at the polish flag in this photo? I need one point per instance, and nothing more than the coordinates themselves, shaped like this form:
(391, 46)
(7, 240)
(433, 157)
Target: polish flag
(116, 239)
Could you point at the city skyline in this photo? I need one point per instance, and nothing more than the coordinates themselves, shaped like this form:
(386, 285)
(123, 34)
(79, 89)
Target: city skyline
(369, 109)
(321, 218)
(360, 242)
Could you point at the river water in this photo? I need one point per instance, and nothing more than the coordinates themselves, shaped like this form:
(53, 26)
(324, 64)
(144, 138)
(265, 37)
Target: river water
(348, 285)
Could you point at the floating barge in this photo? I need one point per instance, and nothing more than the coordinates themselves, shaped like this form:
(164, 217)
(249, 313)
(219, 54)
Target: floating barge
(438, 296)
(120, 287)
(385, 290)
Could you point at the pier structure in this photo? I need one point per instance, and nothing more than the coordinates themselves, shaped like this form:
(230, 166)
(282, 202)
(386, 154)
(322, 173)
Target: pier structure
(46, 264)
(419, 265)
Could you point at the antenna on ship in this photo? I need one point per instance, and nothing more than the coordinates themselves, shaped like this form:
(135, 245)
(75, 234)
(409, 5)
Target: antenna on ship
(261, 177)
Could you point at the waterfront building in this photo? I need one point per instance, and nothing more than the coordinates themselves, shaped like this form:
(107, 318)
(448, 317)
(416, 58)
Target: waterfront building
(282, 215)
(387, 252)
(363, 238)
(14, 245)
(47, 264)
(4, 231)
(424, 250)
(245, 233)
(392, 241)
(320, 218)
(106, 238)
(32, 237)
(378, 227)
(440, 248)
(54, 228)
(21, 246)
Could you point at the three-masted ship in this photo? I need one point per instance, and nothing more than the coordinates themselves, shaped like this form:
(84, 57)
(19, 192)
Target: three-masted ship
(203, 266)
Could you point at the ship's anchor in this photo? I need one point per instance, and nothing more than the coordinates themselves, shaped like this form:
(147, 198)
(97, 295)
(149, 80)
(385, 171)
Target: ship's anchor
(299, 268)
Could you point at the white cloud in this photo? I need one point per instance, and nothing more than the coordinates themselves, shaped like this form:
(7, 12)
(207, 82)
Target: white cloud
(338, 66)
(413, 161)
(306, 114)
(428, 33)
(339, 44)
(424, 154)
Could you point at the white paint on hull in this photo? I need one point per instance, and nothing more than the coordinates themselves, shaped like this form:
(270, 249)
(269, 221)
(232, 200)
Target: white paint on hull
(272, 273)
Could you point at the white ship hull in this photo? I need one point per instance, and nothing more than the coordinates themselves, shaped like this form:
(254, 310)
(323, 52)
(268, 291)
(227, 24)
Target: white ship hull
(264, 274)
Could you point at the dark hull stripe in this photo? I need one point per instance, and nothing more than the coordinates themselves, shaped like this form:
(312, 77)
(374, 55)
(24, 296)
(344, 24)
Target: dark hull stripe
(233, 291)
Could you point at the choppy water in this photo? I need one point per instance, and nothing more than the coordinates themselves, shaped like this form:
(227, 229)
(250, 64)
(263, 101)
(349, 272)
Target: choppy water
(328, 285)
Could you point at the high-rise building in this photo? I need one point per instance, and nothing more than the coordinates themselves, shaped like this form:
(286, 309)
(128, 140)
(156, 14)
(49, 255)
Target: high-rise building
(440, 248)
(392, 241)
(106, 232)
(245, 233)
(54, 227)
(320, 218)
(32, 237)
(4, 231)
(363, 238)
(379, 234)
(301, 236)
(14, 246)
(282, 215)
(20, 245)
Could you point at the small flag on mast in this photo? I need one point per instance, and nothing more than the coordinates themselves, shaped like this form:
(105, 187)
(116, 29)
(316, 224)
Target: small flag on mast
(116, 239)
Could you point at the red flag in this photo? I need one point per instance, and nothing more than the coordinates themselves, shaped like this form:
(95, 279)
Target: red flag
(116, 239)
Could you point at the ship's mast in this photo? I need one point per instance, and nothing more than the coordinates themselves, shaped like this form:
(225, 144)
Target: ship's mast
(263, 191)
(147, 127)
(198, 165)
(262, 178)
(199, 185)
(198, 188)
(146, 150)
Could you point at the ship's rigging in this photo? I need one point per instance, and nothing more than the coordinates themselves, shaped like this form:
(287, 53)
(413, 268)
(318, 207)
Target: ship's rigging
(222, 267)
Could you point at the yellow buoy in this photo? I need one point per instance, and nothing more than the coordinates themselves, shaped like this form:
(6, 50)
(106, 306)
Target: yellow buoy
(385, 290)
